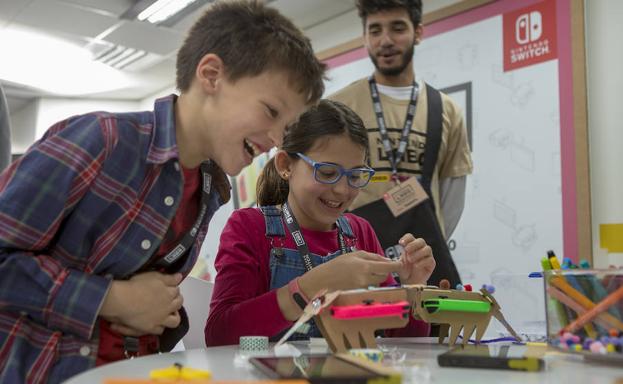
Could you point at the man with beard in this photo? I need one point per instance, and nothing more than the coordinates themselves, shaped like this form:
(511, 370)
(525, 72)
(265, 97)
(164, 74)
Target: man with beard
(418, 140)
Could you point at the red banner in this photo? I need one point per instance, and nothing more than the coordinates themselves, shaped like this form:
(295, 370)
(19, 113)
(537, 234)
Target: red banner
(530, 35)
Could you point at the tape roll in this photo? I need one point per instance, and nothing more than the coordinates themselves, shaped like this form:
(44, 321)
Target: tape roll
(253, 343)
(375, 355)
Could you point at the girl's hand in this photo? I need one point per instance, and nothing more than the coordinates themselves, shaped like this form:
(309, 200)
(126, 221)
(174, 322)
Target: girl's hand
(353, 270)
(417, 260)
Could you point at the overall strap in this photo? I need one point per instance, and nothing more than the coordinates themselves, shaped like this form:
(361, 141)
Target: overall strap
(344, 226)
(272, 218)
(433, 136)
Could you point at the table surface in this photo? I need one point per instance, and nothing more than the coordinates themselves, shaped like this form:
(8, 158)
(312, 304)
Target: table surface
(419, 366)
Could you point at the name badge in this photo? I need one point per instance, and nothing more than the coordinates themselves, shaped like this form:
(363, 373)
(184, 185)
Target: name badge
(404, 196)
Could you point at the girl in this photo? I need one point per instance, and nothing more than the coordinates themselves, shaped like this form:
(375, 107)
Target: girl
(273, 258)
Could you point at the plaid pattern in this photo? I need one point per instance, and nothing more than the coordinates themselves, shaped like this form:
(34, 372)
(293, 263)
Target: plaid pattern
(85, 205)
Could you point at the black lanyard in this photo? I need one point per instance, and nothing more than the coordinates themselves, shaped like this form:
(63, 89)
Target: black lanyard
(297, 235)
(394, 159)
(131, 344)
(189, 238)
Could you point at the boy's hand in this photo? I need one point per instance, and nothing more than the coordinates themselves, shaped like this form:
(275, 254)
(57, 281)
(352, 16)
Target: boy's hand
(417, 260)
(353, 270)
(145, 304)
(126, 330)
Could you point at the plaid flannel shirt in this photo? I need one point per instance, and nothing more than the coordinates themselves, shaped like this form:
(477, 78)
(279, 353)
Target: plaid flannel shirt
(88, 203)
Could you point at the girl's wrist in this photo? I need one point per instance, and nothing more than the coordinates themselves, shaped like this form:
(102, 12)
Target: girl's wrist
(288, 306)
(303, 285)
(297, 294)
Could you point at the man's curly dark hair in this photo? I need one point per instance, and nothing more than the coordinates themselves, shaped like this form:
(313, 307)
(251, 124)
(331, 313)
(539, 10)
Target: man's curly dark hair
(368, 7)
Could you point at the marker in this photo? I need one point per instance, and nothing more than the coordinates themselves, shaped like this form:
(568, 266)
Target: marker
(560, 283)
(569, 302)
(567, 261)
(545, 264)
(595, 311)
(556, 266)
(590, 331)
(553, 260)
(579, 282)
(560, 310)
(599, 292)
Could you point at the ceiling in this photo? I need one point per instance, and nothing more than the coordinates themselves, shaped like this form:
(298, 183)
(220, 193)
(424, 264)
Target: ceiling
(97, 25)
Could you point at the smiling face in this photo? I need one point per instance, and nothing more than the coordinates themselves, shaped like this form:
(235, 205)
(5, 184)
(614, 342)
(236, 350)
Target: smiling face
(315, 205)
(231, 122)
(251, 117)
(389, 37)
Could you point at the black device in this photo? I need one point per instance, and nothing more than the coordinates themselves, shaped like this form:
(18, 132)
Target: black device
(316, 369)
(491, 356)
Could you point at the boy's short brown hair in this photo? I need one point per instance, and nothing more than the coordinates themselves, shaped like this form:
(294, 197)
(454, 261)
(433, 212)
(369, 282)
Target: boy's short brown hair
(251, 38)
(368, 7)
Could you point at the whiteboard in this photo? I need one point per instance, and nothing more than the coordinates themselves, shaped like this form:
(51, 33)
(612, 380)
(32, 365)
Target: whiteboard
(518, 199)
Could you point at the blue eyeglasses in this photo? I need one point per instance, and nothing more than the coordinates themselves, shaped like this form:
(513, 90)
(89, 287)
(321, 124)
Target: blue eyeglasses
(329, 173)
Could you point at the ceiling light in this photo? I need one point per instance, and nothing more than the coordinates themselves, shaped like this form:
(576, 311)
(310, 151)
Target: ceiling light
(54, 65)
(162, 10)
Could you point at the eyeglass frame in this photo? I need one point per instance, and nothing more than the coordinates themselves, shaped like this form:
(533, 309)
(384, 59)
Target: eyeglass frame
(348, 172)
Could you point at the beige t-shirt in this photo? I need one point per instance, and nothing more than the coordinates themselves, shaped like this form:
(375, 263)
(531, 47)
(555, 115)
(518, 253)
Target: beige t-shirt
(454, 157)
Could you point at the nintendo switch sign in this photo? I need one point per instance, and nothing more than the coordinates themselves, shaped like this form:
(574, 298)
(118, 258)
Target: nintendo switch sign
(530, 35)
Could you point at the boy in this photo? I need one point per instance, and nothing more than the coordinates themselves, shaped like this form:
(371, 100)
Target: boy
(102, 217)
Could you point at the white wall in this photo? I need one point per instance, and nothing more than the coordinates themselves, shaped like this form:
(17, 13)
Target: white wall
(54, 110)
(334, 32)
(23, 123)
(605, 82)
(30, 122)
(147, 103)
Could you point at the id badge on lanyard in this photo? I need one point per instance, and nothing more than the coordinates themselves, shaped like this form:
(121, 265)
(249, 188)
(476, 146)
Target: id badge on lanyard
(407, 193)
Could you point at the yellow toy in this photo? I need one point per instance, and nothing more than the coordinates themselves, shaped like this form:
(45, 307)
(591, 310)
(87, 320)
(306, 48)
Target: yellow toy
(179, 372)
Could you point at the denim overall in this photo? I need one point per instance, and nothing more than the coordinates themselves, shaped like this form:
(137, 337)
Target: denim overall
(287, 264)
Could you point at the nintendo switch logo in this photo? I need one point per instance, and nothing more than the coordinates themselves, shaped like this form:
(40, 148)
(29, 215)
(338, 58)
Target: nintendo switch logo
(530, 35)
(528, 27)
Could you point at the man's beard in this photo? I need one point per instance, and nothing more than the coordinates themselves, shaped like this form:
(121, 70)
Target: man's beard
(406, 58)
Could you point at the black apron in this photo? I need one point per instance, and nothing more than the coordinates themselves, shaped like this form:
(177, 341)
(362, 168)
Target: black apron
(421, 220)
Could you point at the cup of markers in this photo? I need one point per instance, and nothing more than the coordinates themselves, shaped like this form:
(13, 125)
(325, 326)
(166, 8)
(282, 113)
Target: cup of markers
(584, 310)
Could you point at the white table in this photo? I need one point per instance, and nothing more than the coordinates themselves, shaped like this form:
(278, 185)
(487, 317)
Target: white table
(420, 366)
